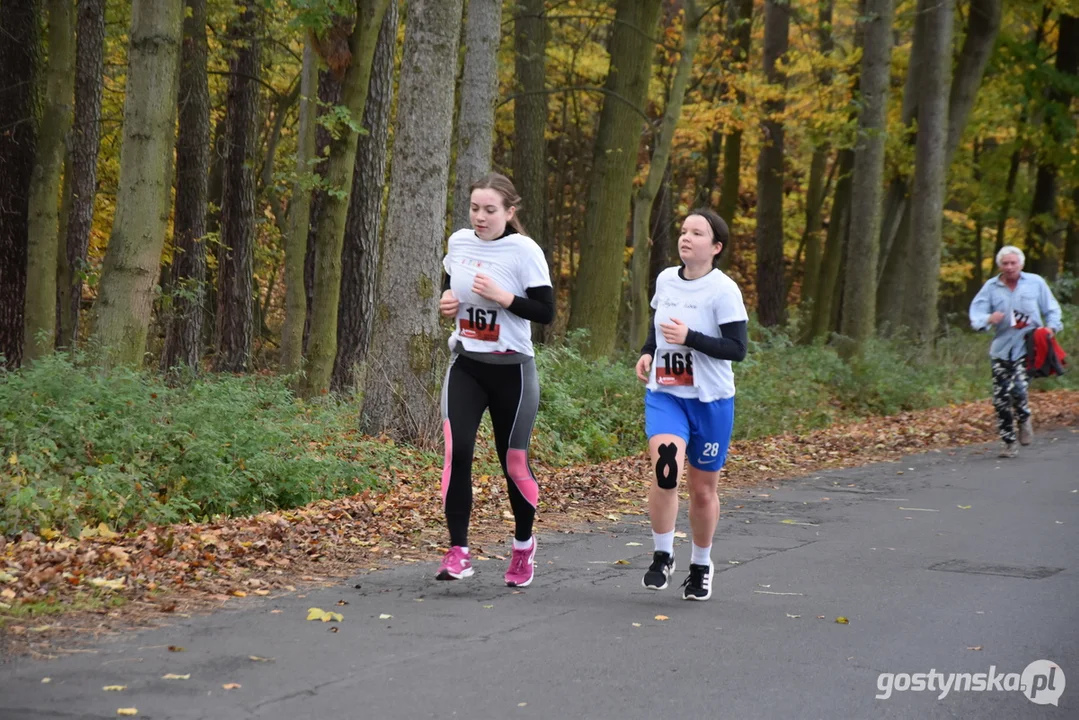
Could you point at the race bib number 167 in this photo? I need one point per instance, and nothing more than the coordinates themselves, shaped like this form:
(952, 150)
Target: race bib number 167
(480, 325)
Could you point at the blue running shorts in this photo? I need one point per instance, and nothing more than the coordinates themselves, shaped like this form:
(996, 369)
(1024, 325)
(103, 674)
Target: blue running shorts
(705, 426)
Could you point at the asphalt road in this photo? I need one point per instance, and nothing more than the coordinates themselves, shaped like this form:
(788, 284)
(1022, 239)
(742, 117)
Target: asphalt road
(961, 564)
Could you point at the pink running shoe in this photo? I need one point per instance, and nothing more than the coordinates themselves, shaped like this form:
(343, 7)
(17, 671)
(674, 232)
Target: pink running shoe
(456, 565)
(522, 566)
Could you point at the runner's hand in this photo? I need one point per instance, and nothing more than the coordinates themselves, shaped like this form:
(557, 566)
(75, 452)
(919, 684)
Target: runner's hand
(995, 318)
(448, 304)
(488, 289)
(644, 367)
(675, 332)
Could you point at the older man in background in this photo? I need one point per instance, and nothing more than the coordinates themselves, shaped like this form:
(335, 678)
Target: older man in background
(1013, 304)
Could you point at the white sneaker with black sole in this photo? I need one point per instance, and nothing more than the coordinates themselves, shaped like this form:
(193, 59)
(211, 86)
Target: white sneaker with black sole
(698, 586)
(659, 572)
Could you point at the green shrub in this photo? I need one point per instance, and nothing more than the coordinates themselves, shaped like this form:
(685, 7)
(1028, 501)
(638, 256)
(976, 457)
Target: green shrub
(81, 446)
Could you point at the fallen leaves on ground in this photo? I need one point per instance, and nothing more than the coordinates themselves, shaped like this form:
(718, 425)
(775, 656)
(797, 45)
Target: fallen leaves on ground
(320, 614)
(200, 566)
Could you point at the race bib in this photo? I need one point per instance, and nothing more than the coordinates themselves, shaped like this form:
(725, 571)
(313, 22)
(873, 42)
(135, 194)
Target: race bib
(675, 369)
(480, 325)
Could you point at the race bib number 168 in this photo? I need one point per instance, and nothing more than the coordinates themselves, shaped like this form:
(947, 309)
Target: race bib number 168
(675, 369)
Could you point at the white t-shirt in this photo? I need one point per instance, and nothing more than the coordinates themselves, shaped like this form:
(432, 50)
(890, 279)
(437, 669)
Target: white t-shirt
(702, 304)
(516, 263)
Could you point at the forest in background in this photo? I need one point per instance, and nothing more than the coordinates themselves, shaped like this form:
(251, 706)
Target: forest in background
(247, 186)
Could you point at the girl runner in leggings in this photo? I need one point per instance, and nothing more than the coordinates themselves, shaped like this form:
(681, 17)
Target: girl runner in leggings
(699, 328)
(497, 283)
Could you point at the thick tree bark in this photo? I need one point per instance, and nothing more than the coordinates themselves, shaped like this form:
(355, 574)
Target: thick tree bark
(817, 190)
(476, 114)
(340, 168)
(360, 256)
(598, 288)
(860, 286)
(407, 344)
(530, 33)
(927, 201)
(133, 258)
(982, 29)
(80, 178)
(235, 289)
(43, 246)
(1045, 234)
(771, 288)
(834, 248)
(299, 217)
(646, 194)
(740, 35)
(20, 56)
(183, 333)
(329, 95)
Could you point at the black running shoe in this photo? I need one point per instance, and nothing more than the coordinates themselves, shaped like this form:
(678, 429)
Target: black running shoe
(659, 571)
(698, 586)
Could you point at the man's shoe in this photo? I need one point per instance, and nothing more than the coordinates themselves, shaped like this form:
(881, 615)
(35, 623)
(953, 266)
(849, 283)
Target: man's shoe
(1026, 432)
(659, 572)
(1009, 450)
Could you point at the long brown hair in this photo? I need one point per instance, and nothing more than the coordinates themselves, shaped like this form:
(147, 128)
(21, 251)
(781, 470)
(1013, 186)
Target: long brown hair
(504, 187)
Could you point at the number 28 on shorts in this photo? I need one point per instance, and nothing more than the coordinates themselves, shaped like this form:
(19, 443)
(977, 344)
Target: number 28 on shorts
(675, 369)
(480, 325)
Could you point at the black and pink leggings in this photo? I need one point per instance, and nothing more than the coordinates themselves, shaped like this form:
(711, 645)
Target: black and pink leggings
(511, 393)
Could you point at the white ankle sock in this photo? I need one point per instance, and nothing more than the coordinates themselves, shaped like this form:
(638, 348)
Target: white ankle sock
(664, 541)
(518, 545)
(464, 549)
(700, 556)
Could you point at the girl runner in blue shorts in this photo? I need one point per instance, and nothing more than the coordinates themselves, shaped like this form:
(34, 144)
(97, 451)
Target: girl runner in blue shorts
(698, 330)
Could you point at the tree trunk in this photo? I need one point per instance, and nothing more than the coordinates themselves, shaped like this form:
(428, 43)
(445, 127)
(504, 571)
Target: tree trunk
(20, 55)
(235, 313)
(771, 289)
(360, 256)
(646, 195)
(40, 314)
(530, 35)
(80, 178)
(329, 95)
(740, 35)
(299, 217)
(1071, 246)
(183, 333)
(927, 201)
(1045, 236)
(479, 90)
(982, 29)
(340, 168)
(133, 259)
(815, 195)
(817, 190)
(407, 343)
(1009, 191)
(983, 26)
(821, 315)
(662, 222)
(860, 287)
(598, 288)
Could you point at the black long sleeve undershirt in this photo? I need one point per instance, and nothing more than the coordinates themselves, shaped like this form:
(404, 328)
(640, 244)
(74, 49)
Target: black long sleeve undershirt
(537, 305)
(730, 346)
